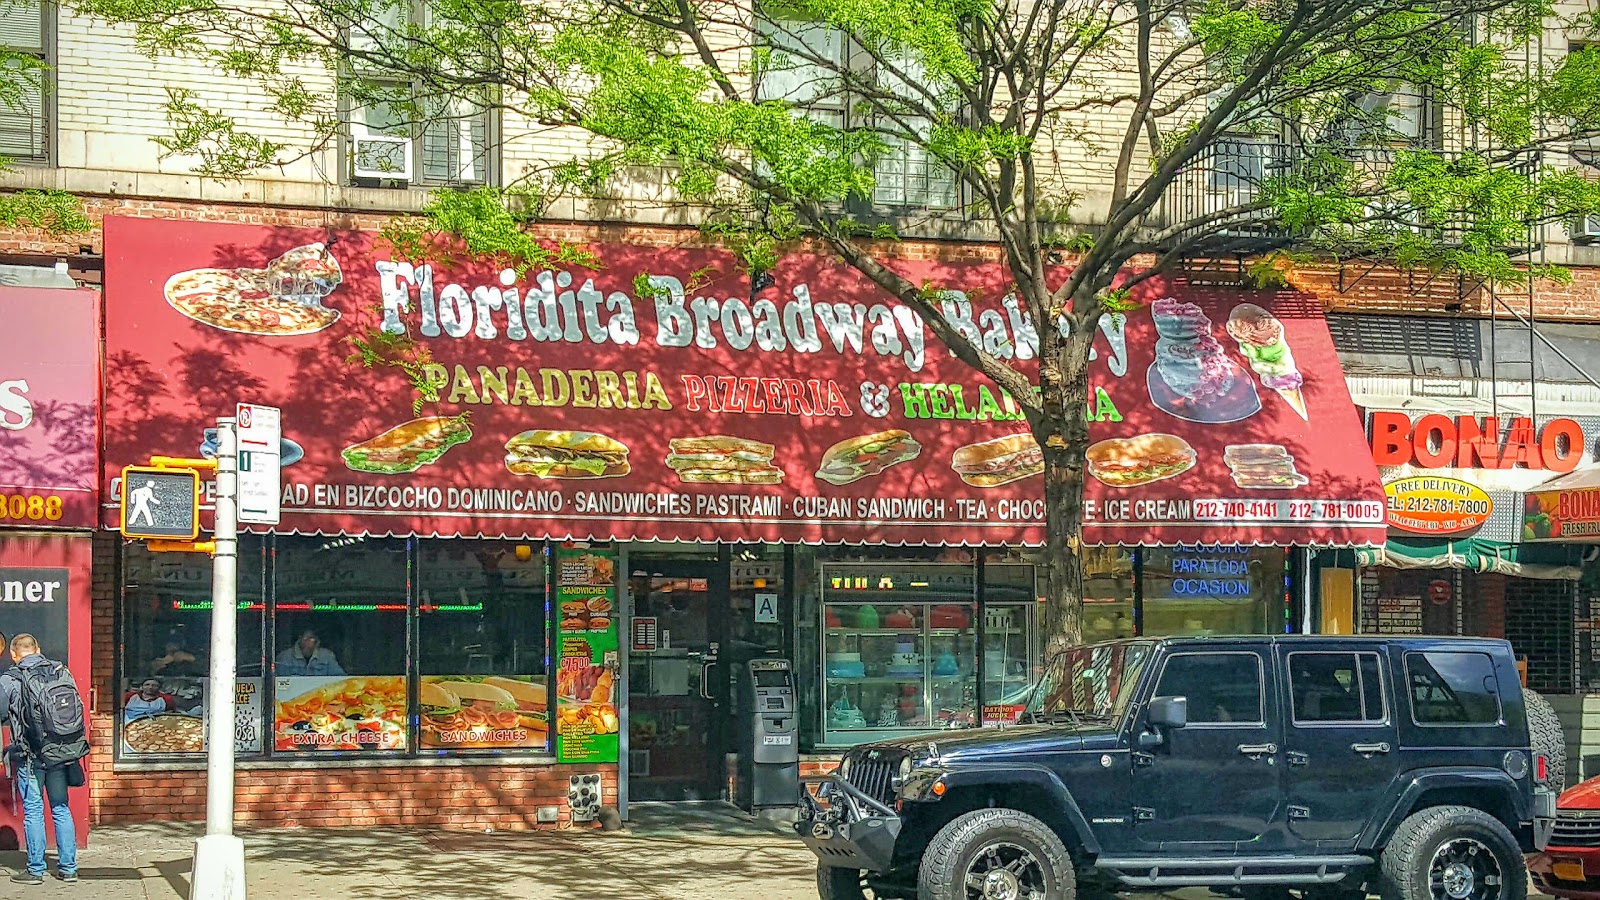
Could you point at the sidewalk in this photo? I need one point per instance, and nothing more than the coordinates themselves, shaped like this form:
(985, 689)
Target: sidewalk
(152, 862)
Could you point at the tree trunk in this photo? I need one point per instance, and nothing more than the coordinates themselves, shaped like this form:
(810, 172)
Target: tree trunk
(1063, 434)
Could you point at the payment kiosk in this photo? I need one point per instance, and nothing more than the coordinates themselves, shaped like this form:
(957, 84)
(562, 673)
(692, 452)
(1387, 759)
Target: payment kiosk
(769, 758)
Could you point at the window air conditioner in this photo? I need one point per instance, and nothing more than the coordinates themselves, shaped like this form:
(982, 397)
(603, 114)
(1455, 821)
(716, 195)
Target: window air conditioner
(1587, 228)
(383, 157)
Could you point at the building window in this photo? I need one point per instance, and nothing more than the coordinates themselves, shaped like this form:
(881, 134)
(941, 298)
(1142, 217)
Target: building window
(24, 113)
(1214, 590)
(403, 132)
(802, 66)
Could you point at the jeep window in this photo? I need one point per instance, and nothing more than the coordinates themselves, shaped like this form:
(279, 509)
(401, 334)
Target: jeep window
(1090, 683)
(1222, 688)
(1335, 687)
(1452, 688)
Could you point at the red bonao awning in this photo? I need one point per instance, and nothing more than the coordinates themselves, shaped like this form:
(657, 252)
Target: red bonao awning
(582, 403)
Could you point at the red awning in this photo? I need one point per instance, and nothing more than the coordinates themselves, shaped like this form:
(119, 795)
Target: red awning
(577, 404)
(49, 397)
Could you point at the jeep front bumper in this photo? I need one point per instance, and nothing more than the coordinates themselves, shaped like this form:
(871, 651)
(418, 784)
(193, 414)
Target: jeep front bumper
(1544, 816)
(846, 828)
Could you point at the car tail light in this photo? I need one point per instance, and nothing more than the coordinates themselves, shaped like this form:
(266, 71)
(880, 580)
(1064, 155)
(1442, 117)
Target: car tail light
(1541, 768)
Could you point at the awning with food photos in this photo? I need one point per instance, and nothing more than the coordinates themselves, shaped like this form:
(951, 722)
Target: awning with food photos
(655, 395)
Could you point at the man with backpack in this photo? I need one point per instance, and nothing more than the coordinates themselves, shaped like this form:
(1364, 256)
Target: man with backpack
(40, 701)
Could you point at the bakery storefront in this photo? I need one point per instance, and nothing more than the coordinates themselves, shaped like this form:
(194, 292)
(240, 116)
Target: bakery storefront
(527, 566)
(49, 404)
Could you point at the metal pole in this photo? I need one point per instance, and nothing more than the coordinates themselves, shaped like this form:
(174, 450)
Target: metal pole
(224, 637)
(219, 856)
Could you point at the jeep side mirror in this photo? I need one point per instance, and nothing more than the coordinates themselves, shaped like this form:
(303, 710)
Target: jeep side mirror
(1169, 712)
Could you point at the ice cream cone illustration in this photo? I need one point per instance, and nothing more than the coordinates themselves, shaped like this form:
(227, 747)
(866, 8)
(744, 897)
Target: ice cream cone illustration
(1260, 337)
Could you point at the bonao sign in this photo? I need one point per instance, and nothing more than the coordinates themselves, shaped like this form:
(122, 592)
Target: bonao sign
(1431, 505)
(1437, 441)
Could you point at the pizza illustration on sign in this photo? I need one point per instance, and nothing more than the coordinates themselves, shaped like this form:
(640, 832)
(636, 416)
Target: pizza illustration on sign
(282, 300)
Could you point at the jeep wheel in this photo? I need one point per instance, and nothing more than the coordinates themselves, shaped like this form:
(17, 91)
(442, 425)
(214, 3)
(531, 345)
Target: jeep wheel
(1546, 736)
(834, 883)
(996, 854)
(1452, 853)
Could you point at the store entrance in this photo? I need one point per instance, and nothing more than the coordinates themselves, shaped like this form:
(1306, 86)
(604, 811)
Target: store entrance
(678, 692)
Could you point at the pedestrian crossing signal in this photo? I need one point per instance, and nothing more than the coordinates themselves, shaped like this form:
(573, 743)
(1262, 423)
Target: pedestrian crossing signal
(160, 503)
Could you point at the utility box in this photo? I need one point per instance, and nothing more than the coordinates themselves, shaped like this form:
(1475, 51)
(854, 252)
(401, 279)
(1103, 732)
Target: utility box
(769, 751)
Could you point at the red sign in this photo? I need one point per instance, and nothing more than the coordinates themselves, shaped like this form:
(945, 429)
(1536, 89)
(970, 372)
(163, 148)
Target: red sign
(49, 397)
(593, 403)
(1441, 442)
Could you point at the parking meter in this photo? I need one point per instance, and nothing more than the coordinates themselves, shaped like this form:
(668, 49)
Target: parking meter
(770, 761)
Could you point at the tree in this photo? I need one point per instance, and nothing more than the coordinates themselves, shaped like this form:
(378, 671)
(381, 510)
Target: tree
(990, 91)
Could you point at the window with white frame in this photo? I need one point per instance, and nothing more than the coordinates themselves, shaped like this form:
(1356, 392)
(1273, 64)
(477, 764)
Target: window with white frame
(24, 111)
(803, 65)
(404, 132)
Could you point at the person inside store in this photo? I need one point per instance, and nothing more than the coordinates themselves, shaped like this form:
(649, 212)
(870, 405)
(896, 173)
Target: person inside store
(147, 700)
(308, 657)
(176, 661)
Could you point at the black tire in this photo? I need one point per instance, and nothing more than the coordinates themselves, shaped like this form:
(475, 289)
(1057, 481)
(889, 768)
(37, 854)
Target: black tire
(982, 844)
(1544, 733)
(834, 883)
(1452, 853)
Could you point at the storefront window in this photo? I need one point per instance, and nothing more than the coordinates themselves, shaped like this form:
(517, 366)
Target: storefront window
(339, 665)
(483, 645)
(1011, 641)
(1213, 590)
(899, 648)
(165, 664)
(1108, 586)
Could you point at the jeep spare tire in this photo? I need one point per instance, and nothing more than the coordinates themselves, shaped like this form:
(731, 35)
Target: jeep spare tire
(1546, 737)
(996, 853)
(1452, 853)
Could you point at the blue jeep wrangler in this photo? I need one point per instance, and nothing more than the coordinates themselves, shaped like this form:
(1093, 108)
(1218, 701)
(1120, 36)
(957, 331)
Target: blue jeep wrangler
(1416, 768)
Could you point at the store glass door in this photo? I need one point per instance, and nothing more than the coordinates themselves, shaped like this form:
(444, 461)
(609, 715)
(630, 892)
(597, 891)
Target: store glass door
(678, 691)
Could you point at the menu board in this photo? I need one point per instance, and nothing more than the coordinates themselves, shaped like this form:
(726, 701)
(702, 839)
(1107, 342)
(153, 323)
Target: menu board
(168, 716)
(586, 646)
(340, 713)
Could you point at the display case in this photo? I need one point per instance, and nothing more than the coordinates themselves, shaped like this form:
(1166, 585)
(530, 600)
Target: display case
(899, 649)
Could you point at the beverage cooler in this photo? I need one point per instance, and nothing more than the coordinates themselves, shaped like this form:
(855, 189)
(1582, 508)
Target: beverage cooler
(44, 591)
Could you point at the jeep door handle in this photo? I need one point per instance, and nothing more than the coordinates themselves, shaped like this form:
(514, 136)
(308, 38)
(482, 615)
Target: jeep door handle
(1258, 750)
(1370, 749)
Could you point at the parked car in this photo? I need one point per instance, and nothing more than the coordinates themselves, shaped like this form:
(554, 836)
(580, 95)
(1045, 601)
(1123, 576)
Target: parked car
(1414, 767)
(1570, 866)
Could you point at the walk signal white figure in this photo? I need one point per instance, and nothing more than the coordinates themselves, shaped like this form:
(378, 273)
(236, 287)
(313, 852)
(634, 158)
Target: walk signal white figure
(143, 498)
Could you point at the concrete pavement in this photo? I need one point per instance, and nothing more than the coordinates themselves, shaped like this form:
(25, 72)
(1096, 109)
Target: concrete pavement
(669, 854)
(152, 862)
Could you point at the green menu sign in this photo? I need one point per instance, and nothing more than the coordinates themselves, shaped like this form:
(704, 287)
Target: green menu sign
(586, 655)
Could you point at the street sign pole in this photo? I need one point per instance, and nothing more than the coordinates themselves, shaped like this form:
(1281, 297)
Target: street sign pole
(219, 855)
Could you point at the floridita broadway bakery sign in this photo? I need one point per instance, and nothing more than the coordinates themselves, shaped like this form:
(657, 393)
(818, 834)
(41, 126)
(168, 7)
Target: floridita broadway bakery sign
(576, 403)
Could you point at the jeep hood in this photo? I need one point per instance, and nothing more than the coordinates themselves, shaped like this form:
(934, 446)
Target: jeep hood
(974, 745)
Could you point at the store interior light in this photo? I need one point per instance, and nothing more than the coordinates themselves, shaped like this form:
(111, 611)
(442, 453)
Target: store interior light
(205, 605)
(524, 552)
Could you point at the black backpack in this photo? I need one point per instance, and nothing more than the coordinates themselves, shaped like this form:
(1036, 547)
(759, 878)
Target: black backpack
(51, 713)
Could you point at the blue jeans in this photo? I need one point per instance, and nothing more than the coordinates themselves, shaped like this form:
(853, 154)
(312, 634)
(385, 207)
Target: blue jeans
(54, 781)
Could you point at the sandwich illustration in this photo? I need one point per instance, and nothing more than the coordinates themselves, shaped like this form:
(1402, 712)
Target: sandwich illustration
(530, 697)
(1264, 466)
(1260, 337)
(1132, 461)
(566, 454)
(1000, 461)
(721, 459)
(867, 455)
(408, 446)
(478, 714)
